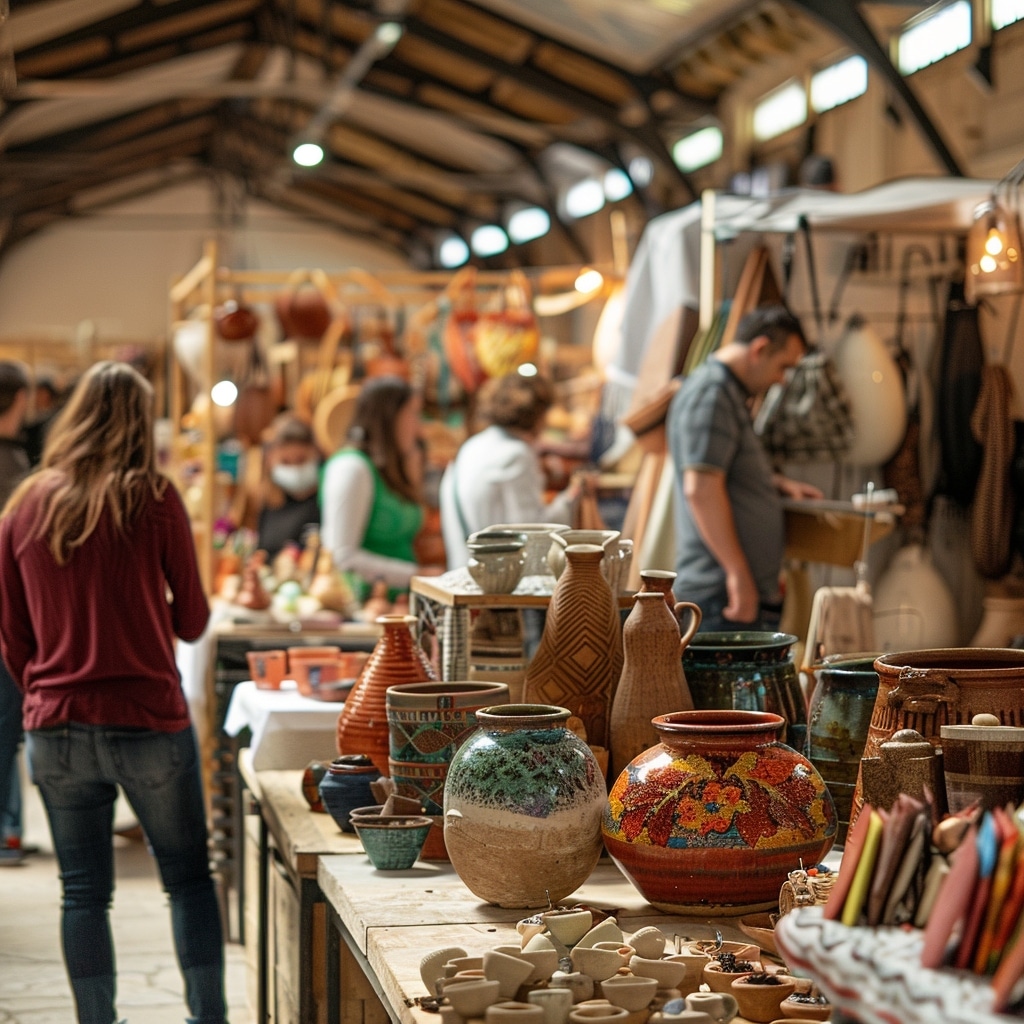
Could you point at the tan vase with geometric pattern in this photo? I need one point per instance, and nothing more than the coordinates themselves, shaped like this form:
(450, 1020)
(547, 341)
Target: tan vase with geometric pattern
(579, 659)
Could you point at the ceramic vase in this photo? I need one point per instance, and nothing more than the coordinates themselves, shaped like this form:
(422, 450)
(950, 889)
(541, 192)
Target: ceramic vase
(607, 539)
(658, 581)
(427, 723)
(396, 659)
(346, 785)
(538, 541)
(837, 726)
(522, 807)
(925, 690)
(579, 659)
(715, 816)
(652, 681)
(748, 671)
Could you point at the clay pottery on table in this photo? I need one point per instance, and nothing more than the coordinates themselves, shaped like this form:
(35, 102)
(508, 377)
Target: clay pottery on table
(748, 670)
(497, 559)
(427, 722)
(983, 762)
(396, 659)
(555, 1002)
(312, 776)
(761, 1002)
(251, 592)
(522, 807)
(560, 540)
(598, 1011)
(346, 785)
(538, 541)
(579, 659)
(837, 725)
(720, 1006)
(667, 973)
(652, 681)
(631, 992)
(393, 841)
(716, 814)
(267, 668)
(658, 581)
(720, 980)
(925, 690)
(799, 1006)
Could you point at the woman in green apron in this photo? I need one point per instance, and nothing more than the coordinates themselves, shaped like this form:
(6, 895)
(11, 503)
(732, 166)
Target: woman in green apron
(369, 499)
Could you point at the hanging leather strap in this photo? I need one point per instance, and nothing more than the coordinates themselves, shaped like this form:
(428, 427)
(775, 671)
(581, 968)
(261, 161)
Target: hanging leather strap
(788, 254)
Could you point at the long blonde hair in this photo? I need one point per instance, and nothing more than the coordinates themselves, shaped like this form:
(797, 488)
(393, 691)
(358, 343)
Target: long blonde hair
(99, 455)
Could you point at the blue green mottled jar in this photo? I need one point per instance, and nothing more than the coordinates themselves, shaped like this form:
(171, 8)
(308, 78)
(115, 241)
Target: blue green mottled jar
(522, 807)
(748, 670)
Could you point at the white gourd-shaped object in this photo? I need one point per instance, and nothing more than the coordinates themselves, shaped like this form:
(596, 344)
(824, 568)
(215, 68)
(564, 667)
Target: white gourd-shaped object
(878, 400)
(913, 605)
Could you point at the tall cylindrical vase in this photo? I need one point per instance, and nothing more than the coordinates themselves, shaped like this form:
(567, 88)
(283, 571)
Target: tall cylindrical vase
(428, 722)
(522, 807)
(652, 681)
(396, 658)
(579, 660)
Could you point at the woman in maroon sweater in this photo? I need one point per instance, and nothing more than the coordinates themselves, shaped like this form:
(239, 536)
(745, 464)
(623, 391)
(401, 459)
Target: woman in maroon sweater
(98, 574)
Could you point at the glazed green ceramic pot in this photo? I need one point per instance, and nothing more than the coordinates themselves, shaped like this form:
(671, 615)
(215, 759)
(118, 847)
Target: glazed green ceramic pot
(838, 720)
(748, 671)
(523, 800)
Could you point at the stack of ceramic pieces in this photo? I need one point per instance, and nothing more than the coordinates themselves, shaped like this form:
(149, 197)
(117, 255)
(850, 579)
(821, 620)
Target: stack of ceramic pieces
(570, 971)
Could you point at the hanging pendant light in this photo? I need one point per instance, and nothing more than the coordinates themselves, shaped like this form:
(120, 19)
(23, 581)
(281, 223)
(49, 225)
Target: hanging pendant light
(993, 252)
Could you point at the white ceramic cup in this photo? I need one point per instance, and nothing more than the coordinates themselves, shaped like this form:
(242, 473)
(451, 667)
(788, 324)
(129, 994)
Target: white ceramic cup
(555, 1002)
(719, 1005)
(511, 1012)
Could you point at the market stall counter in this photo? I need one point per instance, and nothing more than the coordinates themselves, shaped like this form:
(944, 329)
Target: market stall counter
(282, 906)
(381, 925)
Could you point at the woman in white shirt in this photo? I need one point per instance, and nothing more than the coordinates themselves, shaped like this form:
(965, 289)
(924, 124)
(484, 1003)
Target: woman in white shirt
(496, 476)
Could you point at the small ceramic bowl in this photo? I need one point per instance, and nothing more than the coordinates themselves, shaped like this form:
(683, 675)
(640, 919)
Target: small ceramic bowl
(495, 569)
(721, 981)
(762, 1003)
(393, 842)
(795, 1008)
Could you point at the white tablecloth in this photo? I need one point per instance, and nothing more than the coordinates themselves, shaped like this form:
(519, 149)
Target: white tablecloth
(288, 730)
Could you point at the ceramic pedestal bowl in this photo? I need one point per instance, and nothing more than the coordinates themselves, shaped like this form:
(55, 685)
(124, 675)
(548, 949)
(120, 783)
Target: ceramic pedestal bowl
(393, 842)
(497, 559)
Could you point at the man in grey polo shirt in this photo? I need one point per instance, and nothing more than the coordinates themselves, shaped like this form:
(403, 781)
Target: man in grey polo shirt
(729, 526)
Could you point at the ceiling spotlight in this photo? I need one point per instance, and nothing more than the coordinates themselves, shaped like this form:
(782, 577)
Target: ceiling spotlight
(452, 252)
(308, 154)
(488, 240)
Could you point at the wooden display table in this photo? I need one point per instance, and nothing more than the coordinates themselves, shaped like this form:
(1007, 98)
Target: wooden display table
(283, 907)
(381, 924)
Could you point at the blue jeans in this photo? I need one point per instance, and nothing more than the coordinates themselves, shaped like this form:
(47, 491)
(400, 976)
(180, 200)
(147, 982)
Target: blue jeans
(78, 769)
(10, 738)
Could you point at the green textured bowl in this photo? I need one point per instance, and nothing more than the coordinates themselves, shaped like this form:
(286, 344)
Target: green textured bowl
(393, 841)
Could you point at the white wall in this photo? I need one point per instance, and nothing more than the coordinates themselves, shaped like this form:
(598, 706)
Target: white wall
(114, 269)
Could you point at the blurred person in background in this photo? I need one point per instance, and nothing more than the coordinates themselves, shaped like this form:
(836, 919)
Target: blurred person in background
(98, 574)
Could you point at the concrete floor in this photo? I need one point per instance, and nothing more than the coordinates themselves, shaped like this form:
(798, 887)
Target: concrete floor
(33, 986)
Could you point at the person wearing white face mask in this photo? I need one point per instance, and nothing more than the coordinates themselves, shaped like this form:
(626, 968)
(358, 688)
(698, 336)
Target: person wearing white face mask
(289, 491)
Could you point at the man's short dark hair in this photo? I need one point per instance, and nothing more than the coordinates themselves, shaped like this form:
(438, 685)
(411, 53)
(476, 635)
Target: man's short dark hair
(775, 322)
(13, 379)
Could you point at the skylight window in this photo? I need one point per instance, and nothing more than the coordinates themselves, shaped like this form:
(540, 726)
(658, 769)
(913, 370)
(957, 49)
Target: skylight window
(934, 36)
(838, 84)
(698, 149)
(780, 111)
(1006, 12)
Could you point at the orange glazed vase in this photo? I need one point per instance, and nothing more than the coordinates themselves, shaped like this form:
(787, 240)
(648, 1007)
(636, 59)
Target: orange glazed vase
(396, 658)
(579, 659)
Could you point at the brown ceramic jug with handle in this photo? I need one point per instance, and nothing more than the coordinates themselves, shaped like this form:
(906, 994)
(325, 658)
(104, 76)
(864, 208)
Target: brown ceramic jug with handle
(652, 681)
